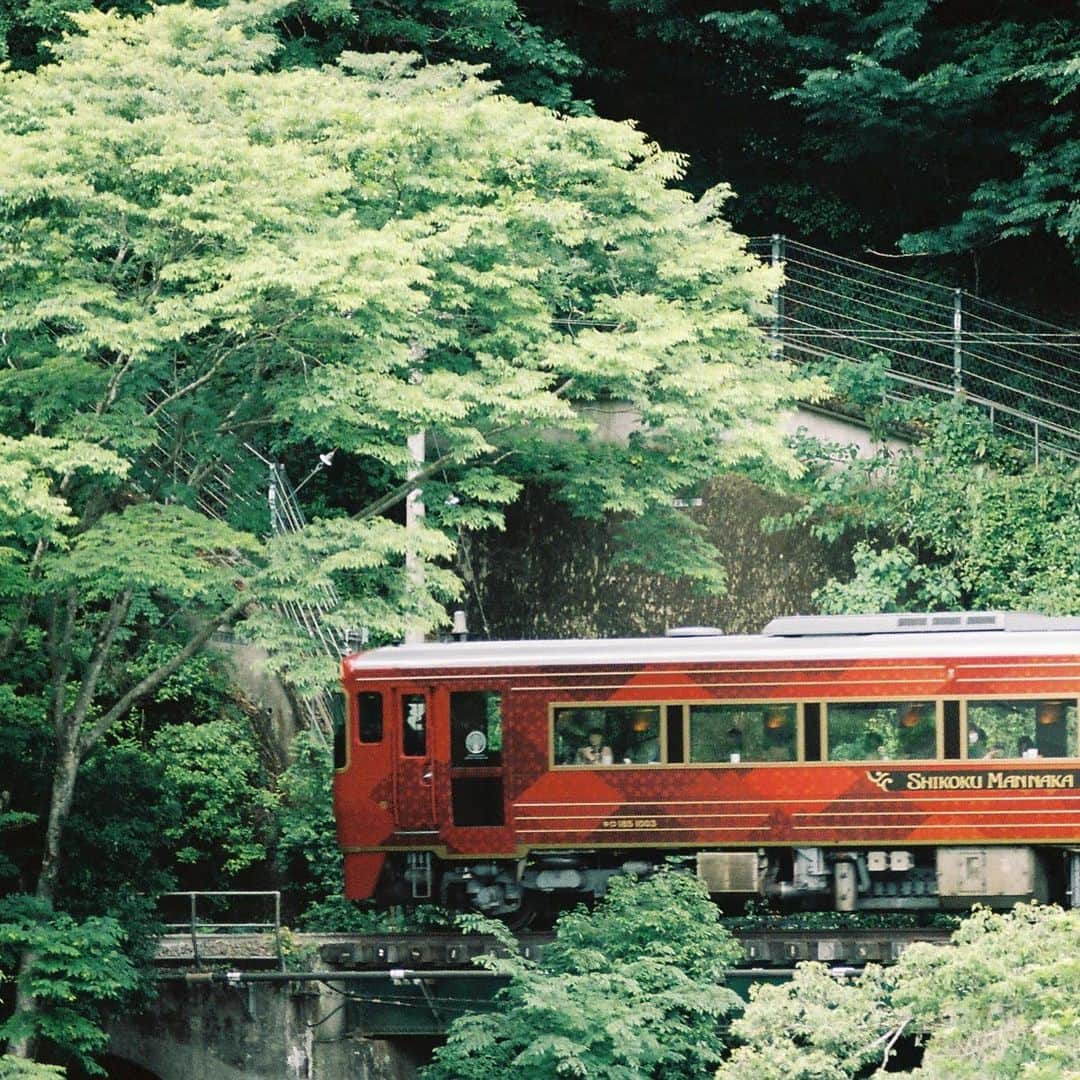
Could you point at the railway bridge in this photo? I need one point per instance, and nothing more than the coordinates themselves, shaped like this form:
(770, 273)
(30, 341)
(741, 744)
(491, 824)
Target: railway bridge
(274, 1005)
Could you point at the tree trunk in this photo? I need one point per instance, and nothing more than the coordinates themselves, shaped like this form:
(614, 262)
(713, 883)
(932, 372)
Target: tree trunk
(64, 776)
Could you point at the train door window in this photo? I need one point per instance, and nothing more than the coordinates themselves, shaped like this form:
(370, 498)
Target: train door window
(747, 731)
(882, 731)
(476, 784)
(476, 728)
(1021, 729)
(607, 735)
(676, 746)
(369, 711)
(812, 731)
(413, 725)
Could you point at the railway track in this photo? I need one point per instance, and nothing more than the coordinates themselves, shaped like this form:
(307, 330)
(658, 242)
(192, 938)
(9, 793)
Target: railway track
(764, 948)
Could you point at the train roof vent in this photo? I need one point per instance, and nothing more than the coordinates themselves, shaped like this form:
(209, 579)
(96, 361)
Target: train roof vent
(695, 631)
(836, 625)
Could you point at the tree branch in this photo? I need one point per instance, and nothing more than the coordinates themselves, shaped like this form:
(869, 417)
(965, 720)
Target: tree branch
(205, 377)
(398, 493)
(151, 682)
(117, 613)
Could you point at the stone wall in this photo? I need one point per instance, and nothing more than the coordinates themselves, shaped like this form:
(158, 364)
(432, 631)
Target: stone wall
(551, 575)
(265, 1031)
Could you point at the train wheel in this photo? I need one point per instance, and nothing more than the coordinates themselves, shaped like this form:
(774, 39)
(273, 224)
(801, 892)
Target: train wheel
(523, 917)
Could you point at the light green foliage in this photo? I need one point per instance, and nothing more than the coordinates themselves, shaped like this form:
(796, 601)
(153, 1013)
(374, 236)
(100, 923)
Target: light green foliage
(815, 1027)
(999, 1001)
(633, 989)
(1002, 1001)
(890, 579)
(74, 967)
(15, 1068)
(530, 65)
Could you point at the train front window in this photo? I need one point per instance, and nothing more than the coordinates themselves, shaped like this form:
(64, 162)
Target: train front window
(882, 731)
(743, 732)
(1021, 729)
(607, 735)
(369, 706)
(337, 715)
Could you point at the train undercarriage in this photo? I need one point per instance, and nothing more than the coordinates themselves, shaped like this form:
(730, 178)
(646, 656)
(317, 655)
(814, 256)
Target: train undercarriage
(806, 878)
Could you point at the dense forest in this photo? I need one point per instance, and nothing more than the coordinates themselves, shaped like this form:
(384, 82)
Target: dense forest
(266, 230)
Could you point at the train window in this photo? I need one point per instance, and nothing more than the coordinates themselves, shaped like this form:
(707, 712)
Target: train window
(675, 751)
(811, 731)
(476, 727)
(369, 706)
(743, 732)
(607, 735)
(1021, 729)
(413, 725)
(950, 741)
(881, 730)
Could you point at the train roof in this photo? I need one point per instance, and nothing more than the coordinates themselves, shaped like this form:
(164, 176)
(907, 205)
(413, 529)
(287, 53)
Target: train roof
(804, 637)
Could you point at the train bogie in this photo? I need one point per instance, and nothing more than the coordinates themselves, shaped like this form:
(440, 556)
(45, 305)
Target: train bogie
(801, 879)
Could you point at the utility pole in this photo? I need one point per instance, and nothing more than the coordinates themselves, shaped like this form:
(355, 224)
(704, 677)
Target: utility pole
(777, 262)
(958, 341)
(414, 519)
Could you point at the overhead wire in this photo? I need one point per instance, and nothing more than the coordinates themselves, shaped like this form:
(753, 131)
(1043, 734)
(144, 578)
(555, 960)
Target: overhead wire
(907, 296)
(799, 245)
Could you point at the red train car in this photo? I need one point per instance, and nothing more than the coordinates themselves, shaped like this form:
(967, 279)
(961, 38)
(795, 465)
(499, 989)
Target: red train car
(866, 762)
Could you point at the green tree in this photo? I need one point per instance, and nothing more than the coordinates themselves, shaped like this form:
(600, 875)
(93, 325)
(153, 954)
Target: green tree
(530, 65)
(966, 117)
(306, 849)
(999, 1001)
(634, 988)
(212, 772)
(199, 251)
(929, 129)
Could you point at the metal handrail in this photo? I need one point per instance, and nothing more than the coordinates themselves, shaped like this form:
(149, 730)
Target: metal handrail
(832, 306)
(192, 925)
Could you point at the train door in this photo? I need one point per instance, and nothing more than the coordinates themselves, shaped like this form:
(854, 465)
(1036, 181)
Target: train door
(476, 765)
(414, 790)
